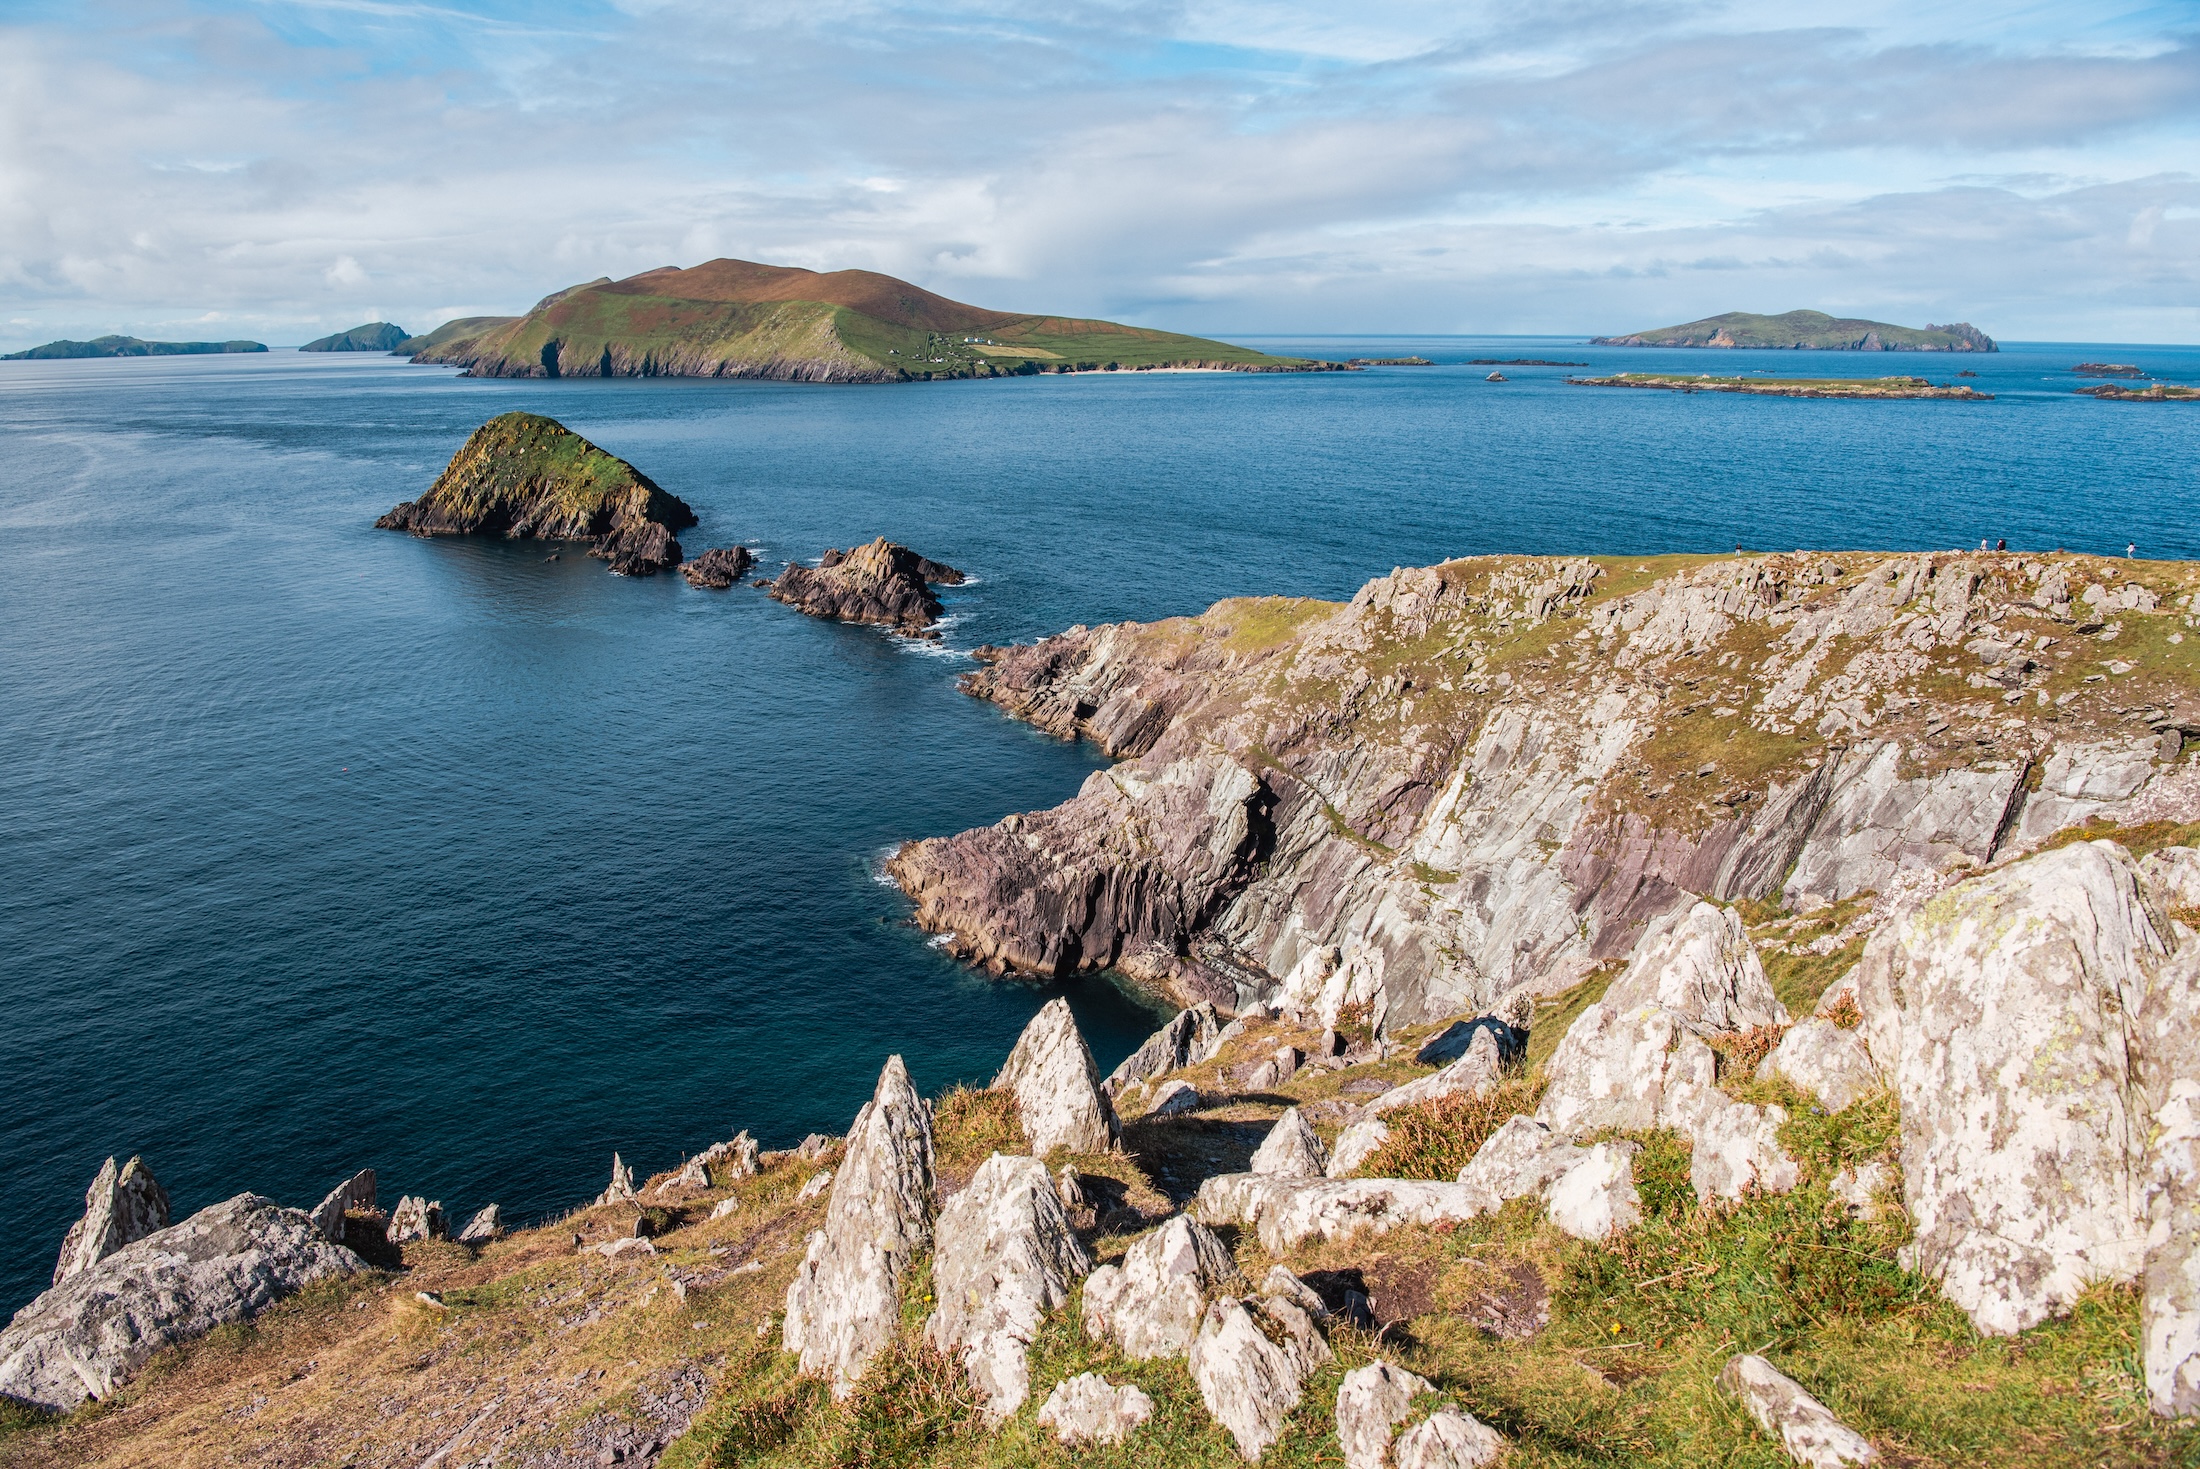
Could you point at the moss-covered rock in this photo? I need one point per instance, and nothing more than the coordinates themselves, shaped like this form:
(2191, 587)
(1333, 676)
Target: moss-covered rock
(521, 474)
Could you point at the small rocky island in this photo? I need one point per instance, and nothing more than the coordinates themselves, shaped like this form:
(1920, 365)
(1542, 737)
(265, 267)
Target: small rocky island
(718, 568)
(882, 582)
(375, 336)
(523, 475)
(2151, 393)
(1787, 387)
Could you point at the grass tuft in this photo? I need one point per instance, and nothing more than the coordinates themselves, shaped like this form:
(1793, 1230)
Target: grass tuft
(1437, 1139)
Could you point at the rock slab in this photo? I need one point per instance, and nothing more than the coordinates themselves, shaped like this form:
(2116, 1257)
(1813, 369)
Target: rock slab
(1005, 1256)
(1249, 1382)
(1371, 1402)
(1809, 1433)
(122, 1206)
(1151, 1304)
(1088, 1408)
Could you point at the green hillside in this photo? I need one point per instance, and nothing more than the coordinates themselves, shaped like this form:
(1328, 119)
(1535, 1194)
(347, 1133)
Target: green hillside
(130, 347)
(735, 318)
(1808, 329)
(375, 336)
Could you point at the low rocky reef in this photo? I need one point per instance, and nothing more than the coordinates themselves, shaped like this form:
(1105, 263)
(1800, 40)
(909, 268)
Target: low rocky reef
(522, 475)
(2151, 393)
(718, 568)
(881, 582)
(1773, 387)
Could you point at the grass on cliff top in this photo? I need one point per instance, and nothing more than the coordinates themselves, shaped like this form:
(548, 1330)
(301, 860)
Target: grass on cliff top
(515, 457)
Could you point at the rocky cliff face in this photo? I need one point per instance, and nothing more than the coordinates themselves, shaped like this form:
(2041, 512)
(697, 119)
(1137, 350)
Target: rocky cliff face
(523, 475)
(881, 582)
(1488, 775)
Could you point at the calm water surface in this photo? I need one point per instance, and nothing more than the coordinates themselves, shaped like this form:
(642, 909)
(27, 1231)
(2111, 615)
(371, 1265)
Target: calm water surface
(323, 847)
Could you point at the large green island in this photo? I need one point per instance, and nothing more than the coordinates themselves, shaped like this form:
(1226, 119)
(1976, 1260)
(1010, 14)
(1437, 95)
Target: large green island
(1811, 330)
(736, 318)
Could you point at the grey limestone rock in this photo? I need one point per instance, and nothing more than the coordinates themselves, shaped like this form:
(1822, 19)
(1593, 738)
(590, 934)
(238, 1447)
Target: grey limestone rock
(1450, 1043)
(1809, 1433)
(1174, 1098)
(1057, 1087)
(91, 1333)
(1151, 1304)
(416, 1219)
(1451, 1439)
(1877, 824)
(2082, 780)
(1477, 1071)
(1698, 964)
(1371, 1402)
(2174, 875)
(1522, 1157)
(2000, 1008)
(1832, 1064)
(122, 1206)
(1281, 1282)
(355, 1192)
(2168, 1036)
(1596, 1198)
(1286, 1212)
(1291, 1149)
(1858, 1187)
(845, 1302)
(1003, 1258)
(1249, 1382)
(486, 1225)
(1181, 1042)
(621, 1188)
(1088, 1408)
(1361, 1139)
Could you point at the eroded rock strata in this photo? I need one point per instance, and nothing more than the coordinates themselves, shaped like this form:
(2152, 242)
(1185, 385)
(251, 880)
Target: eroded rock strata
(1489, 775)
(718, 568)
(881, 583)
(522, 475)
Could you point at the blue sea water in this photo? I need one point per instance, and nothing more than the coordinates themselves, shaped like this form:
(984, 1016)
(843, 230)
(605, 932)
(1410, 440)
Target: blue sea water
(324, 847)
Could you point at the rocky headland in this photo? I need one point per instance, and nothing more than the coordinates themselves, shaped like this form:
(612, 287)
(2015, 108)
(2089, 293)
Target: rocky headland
(522, 475)
(1639, 1011)
(879, 582)
(1807, 330)
(375, 336)
(1787, 387)
(130, 347)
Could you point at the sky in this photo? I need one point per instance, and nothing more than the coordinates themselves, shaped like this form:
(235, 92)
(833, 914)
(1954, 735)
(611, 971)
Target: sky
(277, 169)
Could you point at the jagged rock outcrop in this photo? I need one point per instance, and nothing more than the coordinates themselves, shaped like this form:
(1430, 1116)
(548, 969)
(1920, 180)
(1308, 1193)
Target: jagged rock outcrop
(1450, 1439)
(1088, 1408)
(621, 1188)
(2001, 1010)
(718, 568)
(845, 1302)
(1189, 1036)
(1371, 1402)
(355, 1192)
(522, 475)
(1286, 1212)
(1292, 1149)
(415, 1219)
(880, 582)
(1522, 1157)
(1596, 1198)
(732, 1160)
(1805, 1428)
(1004, 1257)
(92, 1332)
(486, 1226)
(122, 1206)
(1150, 1305)
(1249, 1382)
(1057, 1089)
(1698, 964)
(1433, 797)
(1832, 1064)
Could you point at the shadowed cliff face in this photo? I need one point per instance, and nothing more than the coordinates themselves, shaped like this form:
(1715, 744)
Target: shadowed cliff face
(523, 475)
(1489, 775)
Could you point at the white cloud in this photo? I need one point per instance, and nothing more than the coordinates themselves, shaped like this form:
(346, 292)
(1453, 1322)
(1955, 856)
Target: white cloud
(345, 272)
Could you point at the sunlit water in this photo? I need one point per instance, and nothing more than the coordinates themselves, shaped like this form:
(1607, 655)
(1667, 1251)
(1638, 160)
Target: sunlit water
(323, 847)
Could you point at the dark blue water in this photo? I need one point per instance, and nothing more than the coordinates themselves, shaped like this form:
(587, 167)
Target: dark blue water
(324, 847)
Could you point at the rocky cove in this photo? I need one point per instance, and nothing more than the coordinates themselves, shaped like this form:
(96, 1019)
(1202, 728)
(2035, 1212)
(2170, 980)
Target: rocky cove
(1633, 1011)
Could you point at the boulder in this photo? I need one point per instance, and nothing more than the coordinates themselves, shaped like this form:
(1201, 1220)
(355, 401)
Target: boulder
(355, 1192)
(1596, 1199)
(1087, 1408)
(1249, 1382)
(1477, 1071)
(1181, 1042)
(1734, 1146)
(1371, 1402)
(2000, 1009)
(1361, 1139)
(1806, 1430)
(621, 1188)
(718, 568)
(1057, 1087)
(1698, 965)
(2173, 873)
(1291, 1149)
(486, 1225)
(88, 1335)
(845, 1301)
(1286, 1212)
(415, 1218)
(1610, 1070)
(1174, 1099)
(1819, 1057)
(1151, 1304)
(819, 1182)
(632, 1247)
(1004, 1258)
(1282, 1283)
(1449, 1440)
(1450, 1043)
(1858, 1187)
(1522, 1157)
(122, 1206)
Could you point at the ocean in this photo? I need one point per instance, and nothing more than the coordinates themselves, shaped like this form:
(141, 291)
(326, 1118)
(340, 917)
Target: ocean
(324, 847)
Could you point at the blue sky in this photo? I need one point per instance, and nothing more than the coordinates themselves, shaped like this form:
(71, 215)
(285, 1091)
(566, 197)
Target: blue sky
(281, 168)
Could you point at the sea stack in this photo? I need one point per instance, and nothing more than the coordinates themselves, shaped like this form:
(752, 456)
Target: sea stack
(525, 475)
(882, 582)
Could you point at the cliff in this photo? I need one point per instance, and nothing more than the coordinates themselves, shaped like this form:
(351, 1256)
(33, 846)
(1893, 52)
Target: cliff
(1487, 775)
(522, 475)
(375, 336)
(130, 347)
(736, 318)
(1808, 329)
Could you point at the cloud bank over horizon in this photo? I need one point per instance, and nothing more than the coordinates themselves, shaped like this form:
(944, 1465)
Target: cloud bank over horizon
(284, 168)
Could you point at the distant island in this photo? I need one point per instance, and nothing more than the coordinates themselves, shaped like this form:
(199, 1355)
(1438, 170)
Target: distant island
(1787, 387)
(1520, 362)
(2151, 393)
(375, 336)
(736, 318)
(130, 347)
(2107, 369)
(1808, 329)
